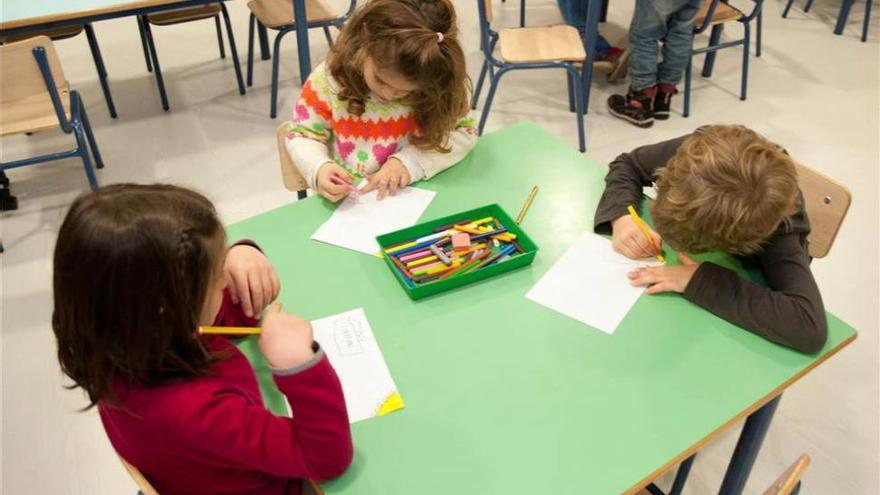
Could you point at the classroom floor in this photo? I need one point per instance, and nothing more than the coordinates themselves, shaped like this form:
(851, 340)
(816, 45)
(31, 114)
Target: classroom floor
(814, 92)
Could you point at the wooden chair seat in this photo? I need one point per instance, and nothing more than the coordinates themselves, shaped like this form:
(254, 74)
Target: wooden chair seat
(53, 34)
(723, 13)
(279, 13)
(186, 14)
(541, 44)
(32, 113)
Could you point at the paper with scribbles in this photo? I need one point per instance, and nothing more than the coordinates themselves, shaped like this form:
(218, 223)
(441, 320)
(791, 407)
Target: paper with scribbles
(348, 341)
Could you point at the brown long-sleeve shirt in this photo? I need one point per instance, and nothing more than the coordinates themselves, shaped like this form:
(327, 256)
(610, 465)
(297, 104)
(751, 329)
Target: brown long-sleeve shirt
(789, 311)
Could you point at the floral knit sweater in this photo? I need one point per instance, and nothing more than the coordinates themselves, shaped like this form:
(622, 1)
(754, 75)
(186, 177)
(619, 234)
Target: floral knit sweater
(323, 131)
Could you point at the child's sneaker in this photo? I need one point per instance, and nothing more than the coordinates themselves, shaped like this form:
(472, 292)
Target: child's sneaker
(636, 107)
(662, 100)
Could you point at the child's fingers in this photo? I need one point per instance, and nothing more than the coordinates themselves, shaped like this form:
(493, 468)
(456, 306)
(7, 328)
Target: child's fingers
(256, 293)
(276, 284)
(663, 286)
(244, 294)
(233, 291)
(393, 184)
(274, 309)
(685, 259)
(383, 186)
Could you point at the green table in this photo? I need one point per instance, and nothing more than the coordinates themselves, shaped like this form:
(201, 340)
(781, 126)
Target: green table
(504, 396)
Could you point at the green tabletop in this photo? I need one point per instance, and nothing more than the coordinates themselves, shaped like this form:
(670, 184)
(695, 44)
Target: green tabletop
(504, 396)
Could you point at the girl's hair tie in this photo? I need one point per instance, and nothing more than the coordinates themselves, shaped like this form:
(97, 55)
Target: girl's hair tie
(439, 37)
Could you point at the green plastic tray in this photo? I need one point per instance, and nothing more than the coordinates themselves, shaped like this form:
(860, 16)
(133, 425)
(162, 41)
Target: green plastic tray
(438, 286)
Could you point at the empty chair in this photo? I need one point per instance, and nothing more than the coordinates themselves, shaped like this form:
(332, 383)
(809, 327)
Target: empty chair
(715, 14)
(69, 32)
(278, 15)
(37, 97)
(178, 16)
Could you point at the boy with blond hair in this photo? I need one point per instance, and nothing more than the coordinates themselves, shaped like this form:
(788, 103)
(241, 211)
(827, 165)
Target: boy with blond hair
(722, 188)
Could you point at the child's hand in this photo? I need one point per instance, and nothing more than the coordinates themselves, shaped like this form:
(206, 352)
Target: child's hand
(286, 339)
(665, 278)
(327, 187)
(253, 282)
(391, 177)
(629, 240)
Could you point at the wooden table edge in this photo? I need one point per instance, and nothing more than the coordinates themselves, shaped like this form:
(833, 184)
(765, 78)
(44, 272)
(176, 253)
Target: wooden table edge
(746, 412)
(88, 13)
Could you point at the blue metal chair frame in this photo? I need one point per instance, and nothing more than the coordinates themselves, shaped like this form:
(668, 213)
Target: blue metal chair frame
(78, 125)
(714, 46)
(842, 15)
(152, 57)
(578, 100)
(276, 50)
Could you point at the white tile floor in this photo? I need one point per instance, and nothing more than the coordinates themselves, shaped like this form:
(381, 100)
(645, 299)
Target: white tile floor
(813, 92)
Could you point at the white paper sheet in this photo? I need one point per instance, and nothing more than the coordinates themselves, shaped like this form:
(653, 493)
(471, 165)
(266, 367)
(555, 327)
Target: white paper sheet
(359, 219)
(348, 341)
(589, 283)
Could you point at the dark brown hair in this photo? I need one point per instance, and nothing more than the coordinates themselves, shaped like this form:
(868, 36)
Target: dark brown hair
(726, 188)
(133, 264)
(401, 35)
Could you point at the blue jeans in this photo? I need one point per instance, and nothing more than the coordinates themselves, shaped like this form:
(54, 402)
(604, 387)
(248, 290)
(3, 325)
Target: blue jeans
(671, 21)
(574, 13)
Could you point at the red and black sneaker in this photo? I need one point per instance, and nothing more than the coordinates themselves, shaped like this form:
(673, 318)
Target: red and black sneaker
(662, 100)
(637, 107)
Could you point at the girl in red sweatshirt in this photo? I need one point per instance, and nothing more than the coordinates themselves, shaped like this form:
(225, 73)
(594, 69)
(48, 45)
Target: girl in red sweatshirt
(138, 268)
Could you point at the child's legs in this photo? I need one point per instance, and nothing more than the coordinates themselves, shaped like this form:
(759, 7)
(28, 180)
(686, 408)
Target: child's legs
(677, 47)
(574, 13)
(647, 28)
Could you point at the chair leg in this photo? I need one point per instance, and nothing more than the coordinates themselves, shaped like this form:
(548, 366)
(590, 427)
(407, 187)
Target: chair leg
(745, 69)
(87, 127)
(146, 49)
(688, 70)
(714, 39)
(476, 97)
(102, 71)
(83, 152)
(493, 86)
(155, 58)
(263, 34)
(867, 20)
(522, 13)
(250, 55)
(328, 36)
(219, 37)
(759, 30)
(232, 49)
(808, 6)
(571, 85)
(276, 51)
(580, 108)
(787, 8)
(842, 16)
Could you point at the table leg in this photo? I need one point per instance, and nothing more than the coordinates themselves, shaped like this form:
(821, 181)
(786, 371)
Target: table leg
(747, 448)
(263, 34)
(302, 40)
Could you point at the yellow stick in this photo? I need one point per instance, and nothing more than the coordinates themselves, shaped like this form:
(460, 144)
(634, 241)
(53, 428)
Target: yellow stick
(525, 208)
(644, 229)
(230, 330)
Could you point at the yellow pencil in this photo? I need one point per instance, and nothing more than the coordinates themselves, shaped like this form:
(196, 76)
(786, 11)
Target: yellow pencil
(230, 330)
(525, 208)
(644, 229)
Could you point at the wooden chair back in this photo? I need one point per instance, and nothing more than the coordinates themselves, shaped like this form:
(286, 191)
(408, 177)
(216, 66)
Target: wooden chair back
(787, 482)
(143, 485)
(20, 76)
(293, 180)
(826, 202)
